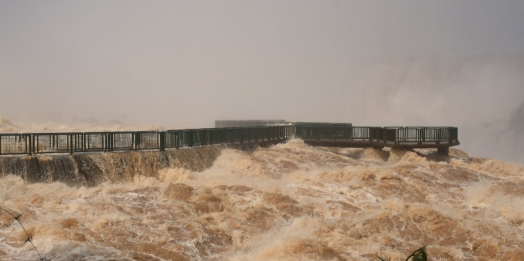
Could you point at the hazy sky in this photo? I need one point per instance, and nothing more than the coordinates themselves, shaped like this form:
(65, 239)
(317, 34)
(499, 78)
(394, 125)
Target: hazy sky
(187, 63)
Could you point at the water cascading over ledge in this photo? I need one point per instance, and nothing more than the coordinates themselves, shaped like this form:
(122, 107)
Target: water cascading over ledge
(91, 169)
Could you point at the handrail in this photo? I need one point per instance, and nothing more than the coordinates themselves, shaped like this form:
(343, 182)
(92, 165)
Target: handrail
(385, 135)
(77, 142)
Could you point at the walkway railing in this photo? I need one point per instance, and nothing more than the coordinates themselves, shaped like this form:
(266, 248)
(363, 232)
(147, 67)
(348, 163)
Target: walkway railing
(77, 142)
(385, 135)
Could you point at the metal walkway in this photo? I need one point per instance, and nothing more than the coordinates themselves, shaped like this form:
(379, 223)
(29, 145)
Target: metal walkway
(316, 134)
(440, 138)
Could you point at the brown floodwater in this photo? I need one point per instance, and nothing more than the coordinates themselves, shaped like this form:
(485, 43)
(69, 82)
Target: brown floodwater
(286, 202)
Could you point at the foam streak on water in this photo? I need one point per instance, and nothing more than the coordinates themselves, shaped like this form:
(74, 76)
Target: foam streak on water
(287, 202)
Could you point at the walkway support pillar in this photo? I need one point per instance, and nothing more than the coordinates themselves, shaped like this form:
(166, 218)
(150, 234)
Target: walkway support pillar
(443, 151)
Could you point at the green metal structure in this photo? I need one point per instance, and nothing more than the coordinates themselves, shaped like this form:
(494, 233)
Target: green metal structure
(317, 134)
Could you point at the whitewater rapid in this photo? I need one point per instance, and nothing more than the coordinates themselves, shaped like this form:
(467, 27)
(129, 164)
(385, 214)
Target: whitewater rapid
(286, 202)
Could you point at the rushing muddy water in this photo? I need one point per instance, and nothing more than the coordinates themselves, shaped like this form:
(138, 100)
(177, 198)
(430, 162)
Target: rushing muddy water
(286, 202)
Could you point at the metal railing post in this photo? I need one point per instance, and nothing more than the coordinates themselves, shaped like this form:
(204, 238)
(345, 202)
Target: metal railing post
(32, 142)
(162, 141)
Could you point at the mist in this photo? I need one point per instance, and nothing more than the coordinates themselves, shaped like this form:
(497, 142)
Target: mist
(186, 64)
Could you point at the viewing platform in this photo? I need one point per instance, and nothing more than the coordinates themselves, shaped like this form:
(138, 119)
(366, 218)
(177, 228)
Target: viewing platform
(315, 134)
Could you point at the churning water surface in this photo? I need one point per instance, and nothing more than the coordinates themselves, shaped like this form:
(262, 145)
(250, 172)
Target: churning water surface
(287, 202)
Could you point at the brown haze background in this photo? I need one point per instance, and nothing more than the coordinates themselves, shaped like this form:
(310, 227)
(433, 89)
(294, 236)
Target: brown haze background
(185, 64)
(121, 65)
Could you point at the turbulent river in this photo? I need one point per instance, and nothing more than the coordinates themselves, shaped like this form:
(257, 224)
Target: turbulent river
(286, 202)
